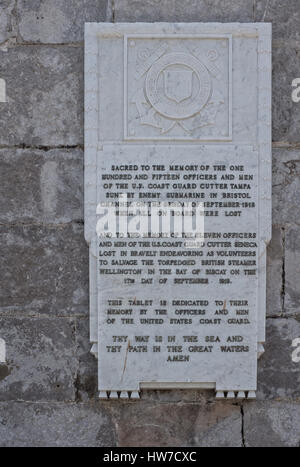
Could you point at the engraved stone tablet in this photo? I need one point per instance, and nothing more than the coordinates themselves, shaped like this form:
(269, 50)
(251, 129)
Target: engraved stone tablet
(177, 204)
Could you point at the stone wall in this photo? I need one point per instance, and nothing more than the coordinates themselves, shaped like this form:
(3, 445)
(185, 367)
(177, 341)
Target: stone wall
(48, 389)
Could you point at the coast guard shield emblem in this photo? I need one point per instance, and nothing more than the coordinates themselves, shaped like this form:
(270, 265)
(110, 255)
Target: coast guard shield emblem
(178, 84)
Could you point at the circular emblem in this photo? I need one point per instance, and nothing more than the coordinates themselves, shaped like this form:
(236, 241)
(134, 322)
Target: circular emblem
(178, 86)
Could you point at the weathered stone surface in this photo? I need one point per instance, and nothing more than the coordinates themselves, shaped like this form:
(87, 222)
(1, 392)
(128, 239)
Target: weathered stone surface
(41, 361)
(7, 20)
(189, 10)
(45, 269)
(292, 270)
(86, 381)
(58, 21)
(275, 424)
(44, 89)
(286, 196)
(278, 375)
(286, 113)
(283, 15)
(274, 273)
(180, 395)
(47, 185)
(55, 424)
(217, 424)
(224, 427)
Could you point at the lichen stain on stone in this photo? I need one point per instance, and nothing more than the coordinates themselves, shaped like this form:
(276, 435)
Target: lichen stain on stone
(4, 371)
(49, 182)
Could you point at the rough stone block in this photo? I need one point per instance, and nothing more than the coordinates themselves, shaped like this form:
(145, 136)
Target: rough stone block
(55, 424)
(45, 269)
(278, 375)
(41, 186)
(273, 424)
(219, 427)
(286, 113)
(292, 270)
(41, 363)
(44, 89)
(286, 195)
(7, 20)
(180, 395)
(274, 273)
(156, 424)
(189, 10)
(58, 21)
(86, 382)
(283, 15)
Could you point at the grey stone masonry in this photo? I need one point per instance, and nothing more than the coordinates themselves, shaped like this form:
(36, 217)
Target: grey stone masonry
(292, 269)
(44, 97)
(8, 23)
(274, 273)
(57, 21)
(286, 113)
(284, 16)
(272, 424)
(278, 375)
(53, 190)
(48, 386)
(41, 360)
(286, 195)
(188, 10)
(39, 425)
(202, 423)
(44, 269)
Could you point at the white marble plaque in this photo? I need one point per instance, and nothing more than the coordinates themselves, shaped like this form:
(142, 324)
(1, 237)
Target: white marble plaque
(178, 113)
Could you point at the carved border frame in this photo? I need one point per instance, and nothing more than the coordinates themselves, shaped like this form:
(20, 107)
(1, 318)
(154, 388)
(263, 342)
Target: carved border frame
(127, 37)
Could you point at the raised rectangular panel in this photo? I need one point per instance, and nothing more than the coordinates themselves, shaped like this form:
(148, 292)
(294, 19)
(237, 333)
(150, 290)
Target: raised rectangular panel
(158, 94)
